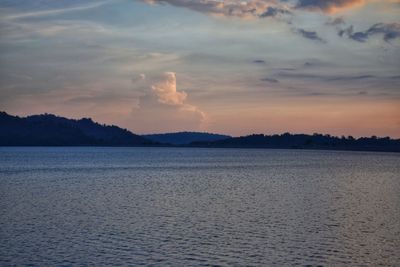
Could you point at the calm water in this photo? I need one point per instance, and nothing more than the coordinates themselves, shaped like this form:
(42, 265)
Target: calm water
(195, 207)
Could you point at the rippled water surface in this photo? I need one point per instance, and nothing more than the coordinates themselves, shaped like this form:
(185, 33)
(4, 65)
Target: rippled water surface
(195, 207)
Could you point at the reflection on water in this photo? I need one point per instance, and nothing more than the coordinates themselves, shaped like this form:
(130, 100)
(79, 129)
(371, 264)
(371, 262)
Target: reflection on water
(198, 207)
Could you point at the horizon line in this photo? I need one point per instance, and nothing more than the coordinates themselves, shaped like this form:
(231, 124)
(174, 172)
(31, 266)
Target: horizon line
(205, 132)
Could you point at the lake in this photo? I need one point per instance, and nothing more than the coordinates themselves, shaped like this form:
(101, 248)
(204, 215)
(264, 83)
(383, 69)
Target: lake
(198, 207)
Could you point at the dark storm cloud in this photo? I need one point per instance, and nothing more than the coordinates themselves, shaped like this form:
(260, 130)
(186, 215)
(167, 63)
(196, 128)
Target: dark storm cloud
(273, 12)
(389, 31)
(312, 35)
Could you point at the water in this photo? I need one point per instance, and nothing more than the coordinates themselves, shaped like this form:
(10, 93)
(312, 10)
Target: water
(198, 207)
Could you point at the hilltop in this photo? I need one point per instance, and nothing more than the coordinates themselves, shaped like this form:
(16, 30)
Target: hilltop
(51, 130)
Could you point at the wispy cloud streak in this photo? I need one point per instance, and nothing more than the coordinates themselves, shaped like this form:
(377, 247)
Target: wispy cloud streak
(52, 12)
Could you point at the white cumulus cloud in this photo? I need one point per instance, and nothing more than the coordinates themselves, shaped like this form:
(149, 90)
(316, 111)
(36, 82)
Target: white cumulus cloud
(166, 92)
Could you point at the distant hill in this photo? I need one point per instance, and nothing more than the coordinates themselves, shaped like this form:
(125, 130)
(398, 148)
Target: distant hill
(184, 138)
(51, 130)
(303, 141)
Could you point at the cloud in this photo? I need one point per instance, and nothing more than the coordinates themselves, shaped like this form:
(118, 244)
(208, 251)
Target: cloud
(273, 12)
(327, 6)
(51, 12)
(330, 78)
(259, 61)
(231, 8)
(336, 21)
(166, 91)
(389, 31)
(312, 35)
(284, 10)
(163, 105)
(263, 8)
(270, 80)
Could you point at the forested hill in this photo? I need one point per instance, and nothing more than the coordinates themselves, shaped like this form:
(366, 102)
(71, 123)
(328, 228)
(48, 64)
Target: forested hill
(51, 130)
(303, 141)
(184, 138)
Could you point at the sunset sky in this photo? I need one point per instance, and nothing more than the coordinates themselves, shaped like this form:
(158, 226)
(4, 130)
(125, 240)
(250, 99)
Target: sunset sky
(234, 67)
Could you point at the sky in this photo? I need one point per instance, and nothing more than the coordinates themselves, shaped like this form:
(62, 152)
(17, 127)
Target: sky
(234, 67)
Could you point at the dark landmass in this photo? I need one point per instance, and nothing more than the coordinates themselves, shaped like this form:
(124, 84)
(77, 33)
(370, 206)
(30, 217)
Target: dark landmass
(304, 141)
(185, 138)
(51, 130)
